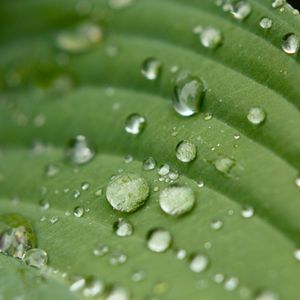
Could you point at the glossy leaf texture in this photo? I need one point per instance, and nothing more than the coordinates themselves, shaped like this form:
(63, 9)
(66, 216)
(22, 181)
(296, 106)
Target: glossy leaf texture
(59, 81)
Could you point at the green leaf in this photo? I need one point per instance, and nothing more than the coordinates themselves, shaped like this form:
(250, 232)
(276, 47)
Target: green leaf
(49, 96)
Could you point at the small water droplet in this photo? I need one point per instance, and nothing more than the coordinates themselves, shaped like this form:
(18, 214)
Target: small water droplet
(266, 23)
(189, 91)
(77, 284)
(176, 200)
(207, 116)
(297, 181)
(36, 257)
(186, 151)
(127, 192)
(120, 4)
(149, 164)
(44, 204)
(164, 170)
(85, 186)
(159, 240)
(76, 194)
(200, 184)
(247, 212)
(278, 3)
(135, 124)
(256, 115)
(241, 10)
(290, 43)
(98, 192)
(53, 219)
(219, 278)
(79, 151)
(210, 37)
(224, 164)
(231, 283)
(138, 276)
(180, 254)
(266, 295)
(297, 254)
(151, 68)
(101, 250)
(118, 293)
(198, 262)
(51, 170)
(216, 224)
(117, 258)
(93, 287)
(128, 159)
(123, 228)
(78, 212)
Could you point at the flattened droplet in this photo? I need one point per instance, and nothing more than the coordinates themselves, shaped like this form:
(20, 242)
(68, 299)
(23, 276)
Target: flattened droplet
(135, 124)
(123, 228)
(256, 115)
(241, 10)
(265, 23)
(149, 164)
(93, 287)
(224, 164)
(210, 37)
(290, 43)
(151, 68)
(36, 257)
(198, 262)
(266, 295)
(159, 240)
(127, 192)
(118, 293)
(278, 3)
(186, 151)
(176, 200)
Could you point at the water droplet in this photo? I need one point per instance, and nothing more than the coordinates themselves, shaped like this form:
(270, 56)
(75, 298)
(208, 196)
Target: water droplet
(241, 10)
(224, 164)
(85, 186)
(98, 192)
(256, 115)
(151, 68)
(174, 175)
(290, 43)
(297, 181)
(138, 276)
(123, 228)
(101, 250)
(198, 262)
(200, 183)
(118, 258)
(78, 212)
(266, 295)
(247, 212)
(297, 254)
(278, 3)
(83, 38)
(186, 151)
(36, 257)
(265, 23)
(164, 170)
(210, 37)
(219, 278)
(176, 200)
(120, 4)
(51, 170)
(53, 219)
(207, 116)
(216, 224)
(181, 254)
(76, 194)
(231, 283)
(128, 159)
(44, 204)
(159, 240)
(93, 287)
(189, 91)
(118, 293)
(79, 151)
(127, 192)
(77, 284)
(135, 124)
(149, 164)
(16, 235)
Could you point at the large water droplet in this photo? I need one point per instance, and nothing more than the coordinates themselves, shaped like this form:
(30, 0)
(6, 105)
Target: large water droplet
(127, 192)
(210, 37)
(36, 257)
(186, 151)
(79, 151)
(290, 43)
(198, 262)
(265, 23)
(151, 68)
(123, 228)
(159, 240)
(241, 10)
(188, 94)
(176, 200)
(256, 115)
(266, 295)
(135, 124)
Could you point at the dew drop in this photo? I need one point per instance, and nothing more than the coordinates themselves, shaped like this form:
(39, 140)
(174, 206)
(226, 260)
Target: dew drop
(266, 295)
(186, 151)
(127, 192)
(200, 184)
(118, 293)
(231, 283)
(78, 212)
(198, 262)
(297, 181)
(151, 68)
(241, 10)
(53, 219)
(207, 116)
(101, 250)
(159, 240)
(44, 204)
(138, 276)
(265, 23)
(216, 224)
(51, 170)
(36, 257)
(180, 254)
(290, 43)
(297, 254)
(247, 212)
(79, 151)
(256, 115)
(128, 159)
(224, 164)
(77, 284)
(135, 124)
(93, 287)
(219, 278)
(149, 164)
(278, 3)
(164, 170)
(176, 200)
(210, 37)
(85, 186)
(98, 192)
(76, 194)
(118, 258)
(189, 91)
(123, 228)
(120, 4)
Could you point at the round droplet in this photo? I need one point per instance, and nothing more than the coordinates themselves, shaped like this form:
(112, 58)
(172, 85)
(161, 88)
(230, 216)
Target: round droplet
(149, 164)
(44, 204)
(219, 278)
(78, 212)
(207, 116)
(189, 91)
(211, 37)
(256, 115)
(77, 284)
(224, 164)
(79, 151)
(93, 287)
(127, 192)
(198, 262)
(231, 283)
(176, 200)
(265, 23)
(180, 254)
(135, 124)
(101, 250)
(247, 212)
(290, 43)
(297, 181)
(266, 295)
(278, 3)
(120, 4)
(123, 228)
(151, 68)
(117, 258)
(216, 224)
(241, 10)
(186, 151)
(36, 258)
(138, 276)
(159, 240)
(297, 254)
(118, 293)
(164, 170)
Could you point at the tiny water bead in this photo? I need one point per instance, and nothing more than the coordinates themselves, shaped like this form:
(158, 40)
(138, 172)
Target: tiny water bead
(266, 295)
(256, 115)
(101, 250)
(53, 219)
(198, 262)
(85, 186)
(180, 254)
(79, 151)
(44, 204)
(159, 240)
(224, 164)
(216, 224)
(123, 228)
(93, 287)
(210, 37)
(149, 164)
(138, 276)
(151, 68)
(189, 92)
(297, 254)
(36, 257)
(118, 293)
(176, 200)
(247, 212)
(120, 4)
(186, 151)
(266, 23)
(278, 3)
(117, 258)
(290, 43)
(51, 170)
(127, 192)
(78, 212)
(241, 10)
(135, 124)
(231, 283)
